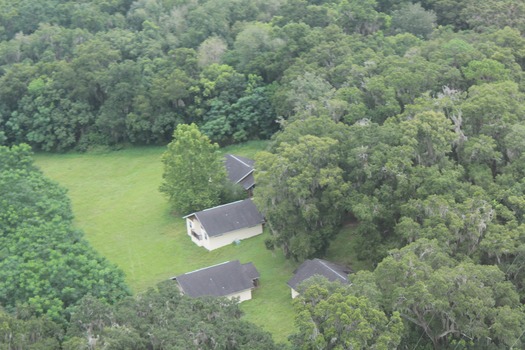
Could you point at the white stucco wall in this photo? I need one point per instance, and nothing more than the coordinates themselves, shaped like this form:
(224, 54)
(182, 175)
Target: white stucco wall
(228, 238)
(193, 224)
(243, 295)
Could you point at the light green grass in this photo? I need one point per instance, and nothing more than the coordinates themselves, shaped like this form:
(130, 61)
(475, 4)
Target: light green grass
(117, 204)
(248, 149)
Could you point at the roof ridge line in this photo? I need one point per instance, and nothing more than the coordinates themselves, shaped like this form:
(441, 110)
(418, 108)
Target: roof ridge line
(207, 267)
(328, 267)
(222, 205)
(244, 177)
(237, 159)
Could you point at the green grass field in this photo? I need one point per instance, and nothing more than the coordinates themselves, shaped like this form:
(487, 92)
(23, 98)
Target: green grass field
(117, 204)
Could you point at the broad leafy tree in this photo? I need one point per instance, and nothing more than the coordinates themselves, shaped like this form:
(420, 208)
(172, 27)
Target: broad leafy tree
(449, 302)
(162, 318)
(159, 318)
(193, 171)
(301, 191)
(330, 317)
(29, 332)
(414, 19)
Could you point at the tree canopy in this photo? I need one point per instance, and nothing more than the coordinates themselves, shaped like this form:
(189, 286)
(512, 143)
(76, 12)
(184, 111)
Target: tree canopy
(301, 191)
(194, 173)
(330, 317)
(404, 116)
(160, 318)
(46, 266)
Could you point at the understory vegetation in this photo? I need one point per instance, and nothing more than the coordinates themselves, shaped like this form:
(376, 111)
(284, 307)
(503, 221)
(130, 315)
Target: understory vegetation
(405, 119)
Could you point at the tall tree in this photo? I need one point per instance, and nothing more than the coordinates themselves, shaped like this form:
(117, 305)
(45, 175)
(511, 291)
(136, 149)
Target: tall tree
(450, 302)
(412, 18)
(329, 317)
(301, 191)
(193, 171)
(162, 318)
(33, 333)
(159, 318)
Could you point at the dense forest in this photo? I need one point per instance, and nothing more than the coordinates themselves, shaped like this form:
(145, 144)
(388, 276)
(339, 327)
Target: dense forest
(407, 118)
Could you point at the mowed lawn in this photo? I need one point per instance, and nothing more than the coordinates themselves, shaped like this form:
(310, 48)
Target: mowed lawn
(117, 204)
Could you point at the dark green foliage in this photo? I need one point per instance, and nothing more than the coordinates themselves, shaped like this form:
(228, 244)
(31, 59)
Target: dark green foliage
(17, 333)
(250, 117)
(102, 78)
(28, 198)
(450, 301)
(449, 12)
(158, 319)
(46, 266)
(494, 14)
(162, 318)
(48, 119)
(25, 16)
(330, 317)
(415, 129)
(50, 267)
(81, 74)
(231, 192)
(414, 19)
(301, 190)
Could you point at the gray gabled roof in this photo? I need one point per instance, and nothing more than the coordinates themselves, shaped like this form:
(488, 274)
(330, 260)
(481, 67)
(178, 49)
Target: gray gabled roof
(332, 272)
(218, 280)
(250, 271)
(229, 217)
(248, 182)
(240, 170)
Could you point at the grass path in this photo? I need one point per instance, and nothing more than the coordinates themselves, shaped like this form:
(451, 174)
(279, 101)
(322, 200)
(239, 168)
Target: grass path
(117, 204)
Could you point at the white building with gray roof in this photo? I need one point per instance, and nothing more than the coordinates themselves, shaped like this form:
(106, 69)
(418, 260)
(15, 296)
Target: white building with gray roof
(222, 225)
(230, 279)
(240, 171)
(309, 268)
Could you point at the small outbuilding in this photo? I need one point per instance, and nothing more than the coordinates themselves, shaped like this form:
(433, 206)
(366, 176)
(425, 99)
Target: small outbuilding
(222, 225)
(240, 171)
(309, 268)
(230, 279)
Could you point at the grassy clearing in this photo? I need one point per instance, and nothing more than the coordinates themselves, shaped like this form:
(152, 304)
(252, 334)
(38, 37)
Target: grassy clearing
(342, 250)
(117, 204)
